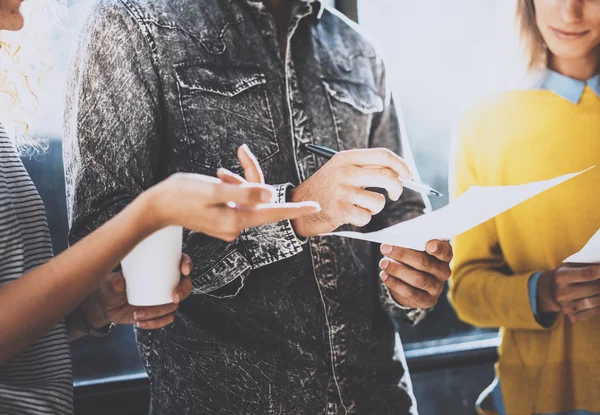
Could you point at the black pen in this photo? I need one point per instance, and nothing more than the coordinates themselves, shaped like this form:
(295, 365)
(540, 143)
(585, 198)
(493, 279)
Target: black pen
(409, 184)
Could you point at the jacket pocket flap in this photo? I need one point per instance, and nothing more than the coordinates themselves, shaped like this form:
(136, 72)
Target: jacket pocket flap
(226, 80)
(228, 269)
(360, 96)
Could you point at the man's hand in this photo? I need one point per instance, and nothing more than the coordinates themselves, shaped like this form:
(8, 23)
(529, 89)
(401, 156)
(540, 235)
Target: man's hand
(109, 303)
(416, 279)
(340, 188)
(574, 290)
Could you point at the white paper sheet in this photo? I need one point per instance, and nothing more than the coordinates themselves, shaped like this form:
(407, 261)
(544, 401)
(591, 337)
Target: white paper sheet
(476, 206)
(590, 254)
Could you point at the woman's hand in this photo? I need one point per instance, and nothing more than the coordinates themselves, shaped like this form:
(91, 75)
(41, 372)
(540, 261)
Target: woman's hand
(572, 290)
(109, 303)
(220, 208)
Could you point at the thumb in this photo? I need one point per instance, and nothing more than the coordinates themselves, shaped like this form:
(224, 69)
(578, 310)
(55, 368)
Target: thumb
(117, 283)
(442, 250)
(186, 265)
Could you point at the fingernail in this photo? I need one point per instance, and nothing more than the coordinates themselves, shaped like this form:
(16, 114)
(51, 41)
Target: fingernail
(384, 276)
(386, 249)
(246, 148)
(432, 248)
(314, 205)
(383, 264)
(176, 298)
(139, 315)
(141, 324)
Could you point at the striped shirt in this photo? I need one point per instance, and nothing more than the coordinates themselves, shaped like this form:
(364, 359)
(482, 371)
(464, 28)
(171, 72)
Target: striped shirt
(39, 380)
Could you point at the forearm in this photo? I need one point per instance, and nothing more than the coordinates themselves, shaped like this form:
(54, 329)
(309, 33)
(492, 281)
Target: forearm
(75, 332)
(489, 298)
(34, 303)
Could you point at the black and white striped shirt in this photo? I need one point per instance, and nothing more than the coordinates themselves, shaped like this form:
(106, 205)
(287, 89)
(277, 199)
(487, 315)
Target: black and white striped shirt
(39, 380)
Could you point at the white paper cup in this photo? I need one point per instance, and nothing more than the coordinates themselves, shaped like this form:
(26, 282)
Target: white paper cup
(152, 269)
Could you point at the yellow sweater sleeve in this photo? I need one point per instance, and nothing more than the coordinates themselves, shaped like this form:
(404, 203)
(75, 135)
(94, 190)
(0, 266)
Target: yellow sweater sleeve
(483, 290)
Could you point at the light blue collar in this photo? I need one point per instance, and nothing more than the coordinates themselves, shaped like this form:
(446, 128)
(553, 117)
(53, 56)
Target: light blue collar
(566, 87)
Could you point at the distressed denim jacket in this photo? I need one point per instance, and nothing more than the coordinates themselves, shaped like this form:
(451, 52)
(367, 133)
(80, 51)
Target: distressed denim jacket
(274, 326)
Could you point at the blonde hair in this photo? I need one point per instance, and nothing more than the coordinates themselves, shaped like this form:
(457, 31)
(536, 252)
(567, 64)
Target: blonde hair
(25, 57)
(531, 38)
(538, 55)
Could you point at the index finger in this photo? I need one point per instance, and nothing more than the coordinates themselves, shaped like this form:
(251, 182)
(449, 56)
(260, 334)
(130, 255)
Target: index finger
(574, 275)
(418, 260)
(245, 194)
(230, 177)
(377, 157)
(153, 312)
(276, 212)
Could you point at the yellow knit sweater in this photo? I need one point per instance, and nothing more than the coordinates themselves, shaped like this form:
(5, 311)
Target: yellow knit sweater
(514, 138)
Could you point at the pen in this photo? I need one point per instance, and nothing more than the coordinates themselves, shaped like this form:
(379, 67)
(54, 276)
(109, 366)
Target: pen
(409, 184)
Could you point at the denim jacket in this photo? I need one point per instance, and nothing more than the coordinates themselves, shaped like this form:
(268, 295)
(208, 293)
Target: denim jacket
(273, 326)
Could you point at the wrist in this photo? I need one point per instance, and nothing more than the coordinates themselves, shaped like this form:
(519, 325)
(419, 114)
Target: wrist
(545, 294)
(152, 213)
(93, 312)
(291, 196)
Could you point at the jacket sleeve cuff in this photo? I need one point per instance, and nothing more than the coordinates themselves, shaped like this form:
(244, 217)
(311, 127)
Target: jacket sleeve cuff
(545, 320)
(273, 242)
(411, 315)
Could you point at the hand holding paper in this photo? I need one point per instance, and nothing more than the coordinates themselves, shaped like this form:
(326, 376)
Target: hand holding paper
(340, 187)
(574, 288)
(417, 278)
(571, 289)
(476, 206)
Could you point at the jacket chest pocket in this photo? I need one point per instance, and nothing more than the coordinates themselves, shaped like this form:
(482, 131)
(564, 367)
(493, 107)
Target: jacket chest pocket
(224, 107)
(353, 106)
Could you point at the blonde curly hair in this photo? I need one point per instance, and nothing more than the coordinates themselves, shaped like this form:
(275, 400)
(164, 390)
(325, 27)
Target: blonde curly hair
(25, 57)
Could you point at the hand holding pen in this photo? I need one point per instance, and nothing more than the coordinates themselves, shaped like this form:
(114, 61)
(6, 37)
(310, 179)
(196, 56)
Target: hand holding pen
(328, 154)
(340, 187)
